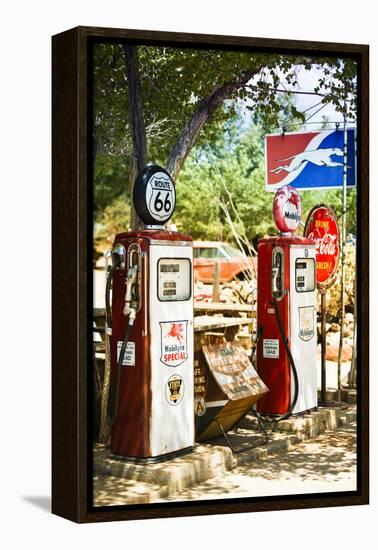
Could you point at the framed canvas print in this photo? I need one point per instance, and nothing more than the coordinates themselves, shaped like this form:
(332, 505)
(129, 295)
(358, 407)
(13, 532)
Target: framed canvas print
(210, 274)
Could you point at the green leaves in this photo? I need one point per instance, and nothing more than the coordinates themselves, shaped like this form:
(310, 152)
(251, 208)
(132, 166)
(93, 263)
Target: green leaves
(297, 114)
(236, 159)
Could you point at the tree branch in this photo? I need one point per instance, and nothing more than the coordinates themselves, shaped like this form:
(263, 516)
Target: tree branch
(196, 122)
(136, 106)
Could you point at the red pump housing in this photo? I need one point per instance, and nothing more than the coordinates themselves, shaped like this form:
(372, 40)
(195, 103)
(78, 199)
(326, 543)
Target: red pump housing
(296, 306)
(155, 411)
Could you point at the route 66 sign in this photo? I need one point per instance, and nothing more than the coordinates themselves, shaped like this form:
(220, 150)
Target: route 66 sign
(154, 195)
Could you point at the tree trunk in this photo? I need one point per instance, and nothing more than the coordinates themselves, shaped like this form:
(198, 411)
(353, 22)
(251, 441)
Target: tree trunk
(95, 149)
(139, 156)
(104, 431)
(135, 222)
(205, 108)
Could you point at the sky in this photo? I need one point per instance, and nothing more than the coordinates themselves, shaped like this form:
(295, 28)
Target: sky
(307, 80)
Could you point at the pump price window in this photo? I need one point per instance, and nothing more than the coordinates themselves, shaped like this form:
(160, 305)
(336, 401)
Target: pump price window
(174, 279)
(305, 275)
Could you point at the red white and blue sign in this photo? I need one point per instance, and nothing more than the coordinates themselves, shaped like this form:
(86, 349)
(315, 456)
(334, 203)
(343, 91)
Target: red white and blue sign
(310, 160)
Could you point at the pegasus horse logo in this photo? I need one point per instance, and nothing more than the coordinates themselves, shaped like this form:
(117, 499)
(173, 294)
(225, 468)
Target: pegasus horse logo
(176, 331)
(174, 344)
(319, 157)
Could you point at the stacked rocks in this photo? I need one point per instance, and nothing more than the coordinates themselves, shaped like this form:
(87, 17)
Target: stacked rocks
(333, 339)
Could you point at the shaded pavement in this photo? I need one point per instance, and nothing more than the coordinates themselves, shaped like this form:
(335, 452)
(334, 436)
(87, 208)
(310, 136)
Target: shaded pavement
(324, 464)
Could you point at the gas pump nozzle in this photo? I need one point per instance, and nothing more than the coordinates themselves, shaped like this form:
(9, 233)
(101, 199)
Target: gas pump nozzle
(277, 276)
(131, 305)
(275, 280)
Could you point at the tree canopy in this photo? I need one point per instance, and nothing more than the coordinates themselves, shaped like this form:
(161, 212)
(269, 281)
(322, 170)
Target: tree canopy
(189, 110)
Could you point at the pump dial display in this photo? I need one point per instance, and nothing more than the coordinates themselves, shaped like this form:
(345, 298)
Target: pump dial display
(305, 275)
(174, 279)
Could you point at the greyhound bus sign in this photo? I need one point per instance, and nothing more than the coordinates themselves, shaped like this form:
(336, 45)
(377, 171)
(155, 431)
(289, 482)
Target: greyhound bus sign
(309, 160)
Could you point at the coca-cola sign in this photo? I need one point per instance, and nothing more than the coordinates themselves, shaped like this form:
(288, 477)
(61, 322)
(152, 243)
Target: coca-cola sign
(322, 227)
(287, 209)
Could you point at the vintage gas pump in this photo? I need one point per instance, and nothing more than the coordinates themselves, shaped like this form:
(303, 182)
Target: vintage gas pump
(151, 323)
(286, 310)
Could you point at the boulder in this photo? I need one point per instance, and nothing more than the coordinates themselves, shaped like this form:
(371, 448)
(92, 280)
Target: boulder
(332, 352)
(333, 338)
(348, 331)
(348, 319)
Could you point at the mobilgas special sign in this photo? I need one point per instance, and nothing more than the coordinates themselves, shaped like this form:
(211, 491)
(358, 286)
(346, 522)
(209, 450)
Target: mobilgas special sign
(174, 347)
(310, 160)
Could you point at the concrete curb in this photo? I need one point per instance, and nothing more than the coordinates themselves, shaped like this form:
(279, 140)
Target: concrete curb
(211, 460)
(311, 424)
(205, 462)
(295, 430)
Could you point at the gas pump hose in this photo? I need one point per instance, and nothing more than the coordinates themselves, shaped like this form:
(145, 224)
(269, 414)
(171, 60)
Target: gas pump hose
(109, 281)
(116, 262)
(115, 394)
(275, 421)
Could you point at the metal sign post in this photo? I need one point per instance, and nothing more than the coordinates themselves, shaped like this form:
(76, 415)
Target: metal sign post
(323, 305)
(343, 240)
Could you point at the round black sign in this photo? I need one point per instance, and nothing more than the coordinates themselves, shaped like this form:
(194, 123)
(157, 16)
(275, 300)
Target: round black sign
(154, 195)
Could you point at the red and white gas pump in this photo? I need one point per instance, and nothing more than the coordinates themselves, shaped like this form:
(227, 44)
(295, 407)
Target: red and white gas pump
(286, 310)
(151, 325)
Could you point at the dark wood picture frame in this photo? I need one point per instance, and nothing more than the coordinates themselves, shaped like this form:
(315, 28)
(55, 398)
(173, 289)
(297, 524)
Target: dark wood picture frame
(72, 287)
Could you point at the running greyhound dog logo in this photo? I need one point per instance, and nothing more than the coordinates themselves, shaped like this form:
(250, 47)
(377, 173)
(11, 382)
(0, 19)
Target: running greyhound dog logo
(319, 157)
(308, 160)
(174, 350)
